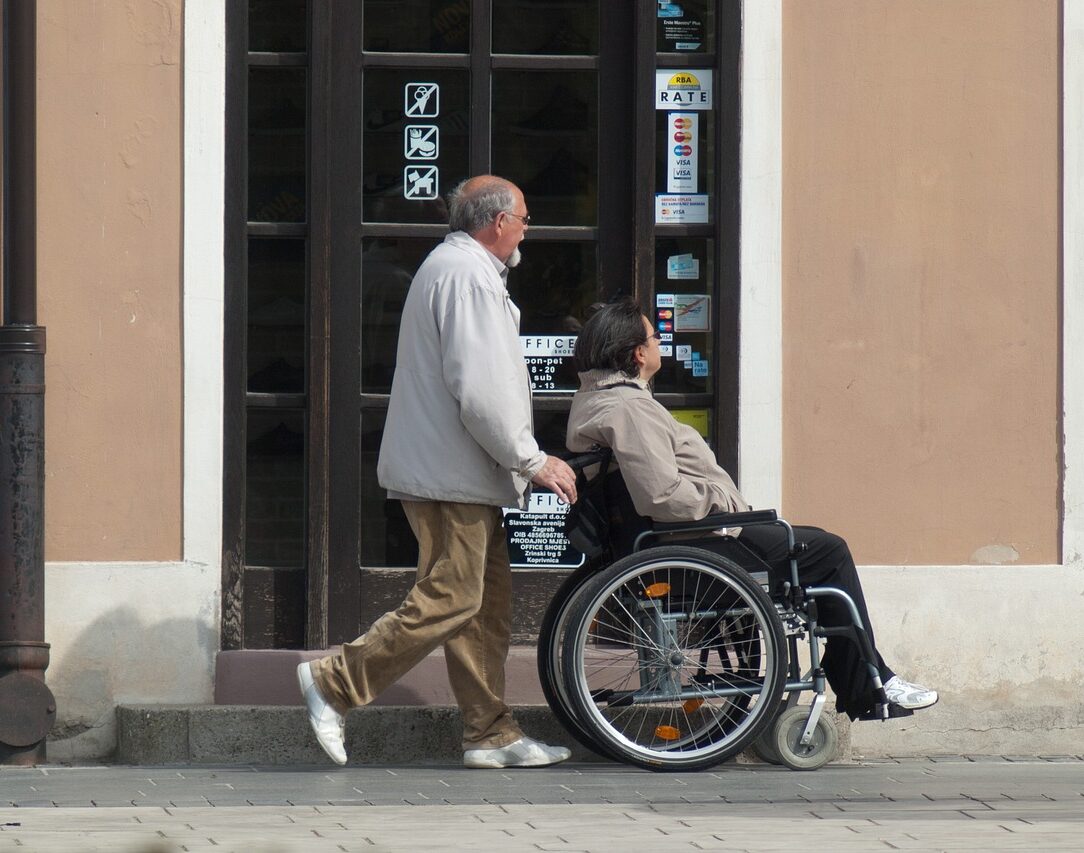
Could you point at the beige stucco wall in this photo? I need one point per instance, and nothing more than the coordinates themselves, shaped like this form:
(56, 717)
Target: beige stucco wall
(921, 280)
(109, 184)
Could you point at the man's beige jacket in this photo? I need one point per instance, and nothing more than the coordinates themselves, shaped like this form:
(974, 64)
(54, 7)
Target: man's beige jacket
(459, 424)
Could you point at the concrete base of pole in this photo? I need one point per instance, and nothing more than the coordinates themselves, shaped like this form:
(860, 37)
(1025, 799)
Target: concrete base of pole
(29, 708)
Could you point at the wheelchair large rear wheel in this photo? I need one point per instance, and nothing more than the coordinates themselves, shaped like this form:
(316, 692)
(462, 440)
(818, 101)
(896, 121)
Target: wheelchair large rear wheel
(674, 659)
(551, 637)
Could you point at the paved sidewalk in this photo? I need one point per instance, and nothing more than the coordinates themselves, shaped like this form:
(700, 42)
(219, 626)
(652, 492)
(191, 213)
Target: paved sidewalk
(947, 803)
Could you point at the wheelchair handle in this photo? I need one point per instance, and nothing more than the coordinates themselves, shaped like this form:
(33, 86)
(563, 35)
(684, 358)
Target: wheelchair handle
(579, 461)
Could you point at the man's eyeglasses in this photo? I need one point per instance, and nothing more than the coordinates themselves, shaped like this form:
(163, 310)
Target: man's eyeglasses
(525, 218)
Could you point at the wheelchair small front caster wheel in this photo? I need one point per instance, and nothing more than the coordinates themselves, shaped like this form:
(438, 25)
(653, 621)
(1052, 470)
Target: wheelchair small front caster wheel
(764, 746)
(787, 732)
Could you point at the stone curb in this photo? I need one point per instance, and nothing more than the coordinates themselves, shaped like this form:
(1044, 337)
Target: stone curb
(280, 735)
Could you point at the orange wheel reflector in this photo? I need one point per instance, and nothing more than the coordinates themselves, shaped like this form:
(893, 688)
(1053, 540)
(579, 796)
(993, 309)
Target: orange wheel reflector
(690, 705)
(657, 590)
(667, 733)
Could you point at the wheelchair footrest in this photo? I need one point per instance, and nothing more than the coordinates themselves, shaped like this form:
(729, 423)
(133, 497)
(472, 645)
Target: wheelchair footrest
(894, 712)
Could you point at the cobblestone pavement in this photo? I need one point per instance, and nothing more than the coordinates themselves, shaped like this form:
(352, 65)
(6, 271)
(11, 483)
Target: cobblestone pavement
(943, 803)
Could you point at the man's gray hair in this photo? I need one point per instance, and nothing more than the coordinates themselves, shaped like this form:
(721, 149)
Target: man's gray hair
(473, 211)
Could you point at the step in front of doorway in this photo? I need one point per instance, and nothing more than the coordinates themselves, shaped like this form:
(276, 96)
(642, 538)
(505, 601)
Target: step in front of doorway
(280, 734)
(268, 677)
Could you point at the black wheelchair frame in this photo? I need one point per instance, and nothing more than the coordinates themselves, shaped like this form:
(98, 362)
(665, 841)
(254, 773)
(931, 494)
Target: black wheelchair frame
(669, 655)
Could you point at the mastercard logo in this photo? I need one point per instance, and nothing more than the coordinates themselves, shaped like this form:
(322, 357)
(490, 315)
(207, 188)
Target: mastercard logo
(681, 136)
(683, 123)
(683, 150)
(666, 314)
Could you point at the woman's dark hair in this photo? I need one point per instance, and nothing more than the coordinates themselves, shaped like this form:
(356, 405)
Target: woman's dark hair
(609, 339)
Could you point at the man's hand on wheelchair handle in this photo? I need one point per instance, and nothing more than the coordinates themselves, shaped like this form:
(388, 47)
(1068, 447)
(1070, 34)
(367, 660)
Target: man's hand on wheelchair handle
(558, 478)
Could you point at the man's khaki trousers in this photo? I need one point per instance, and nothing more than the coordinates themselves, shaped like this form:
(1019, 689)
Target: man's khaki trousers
(462, 599)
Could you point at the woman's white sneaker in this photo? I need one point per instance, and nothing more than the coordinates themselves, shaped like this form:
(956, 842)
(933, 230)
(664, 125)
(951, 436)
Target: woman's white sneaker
(525, 752)
(909, 696)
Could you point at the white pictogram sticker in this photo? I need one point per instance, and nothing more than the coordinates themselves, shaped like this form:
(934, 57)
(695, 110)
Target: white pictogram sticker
(420, 183)
(421, 142)
(421, 100)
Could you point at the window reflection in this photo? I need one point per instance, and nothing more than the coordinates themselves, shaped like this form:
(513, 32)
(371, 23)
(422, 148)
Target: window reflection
(277, 26)
(545, 129)
(386, 537)
(558, 27)
(549, 430)
(276, 315)
(275, 488)
(417, 26)
(387, 267)
(276, 145)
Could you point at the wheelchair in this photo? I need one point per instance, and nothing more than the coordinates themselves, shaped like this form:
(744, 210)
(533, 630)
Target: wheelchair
(672, 648)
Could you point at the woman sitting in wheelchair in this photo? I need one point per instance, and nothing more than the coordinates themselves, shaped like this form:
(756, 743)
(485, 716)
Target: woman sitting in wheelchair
(672, 476)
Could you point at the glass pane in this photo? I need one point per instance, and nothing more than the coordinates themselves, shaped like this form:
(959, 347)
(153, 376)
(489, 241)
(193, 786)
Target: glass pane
(415, 142)
(276, 315)
(684, 306)
(549, 429)
(545, 139)
(553, 288)
(545, 26)
(277, 26)
(417, 26)
(685, 164)
(387, 266)
(276, 144)
(275, 488)
(386, 537)
(685, 26)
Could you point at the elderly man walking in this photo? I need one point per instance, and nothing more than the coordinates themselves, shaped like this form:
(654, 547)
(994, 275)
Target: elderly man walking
(458, 445)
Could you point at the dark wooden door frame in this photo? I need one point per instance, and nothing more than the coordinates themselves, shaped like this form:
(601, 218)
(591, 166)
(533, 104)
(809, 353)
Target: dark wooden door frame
(626, 64)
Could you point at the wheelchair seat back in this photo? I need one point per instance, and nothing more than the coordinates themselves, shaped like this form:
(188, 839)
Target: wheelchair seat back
(603, 523)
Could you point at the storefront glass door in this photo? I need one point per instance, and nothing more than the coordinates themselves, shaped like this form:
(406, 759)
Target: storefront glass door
(352, 134)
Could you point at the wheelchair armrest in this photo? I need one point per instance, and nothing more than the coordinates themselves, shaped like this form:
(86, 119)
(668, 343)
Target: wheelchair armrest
(578, 461)
(716, 520)
(711, 522)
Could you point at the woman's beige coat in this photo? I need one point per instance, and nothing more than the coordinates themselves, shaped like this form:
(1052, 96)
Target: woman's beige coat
(670, 471)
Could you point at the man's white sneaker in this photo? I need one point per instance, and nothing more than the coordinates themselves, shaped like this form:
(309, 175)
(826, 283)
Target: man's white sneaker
(525, 752)
(326, 722)
(909, 696)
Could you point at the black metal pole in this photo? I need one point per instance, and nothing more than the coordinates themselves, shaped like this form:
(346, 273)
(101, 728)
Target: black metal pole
(27, 707)
(20, 162)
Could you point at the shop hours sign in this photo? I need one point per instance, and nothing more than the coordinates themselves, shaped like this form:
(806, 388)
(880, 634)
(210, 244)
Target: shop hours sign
(549, 362)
